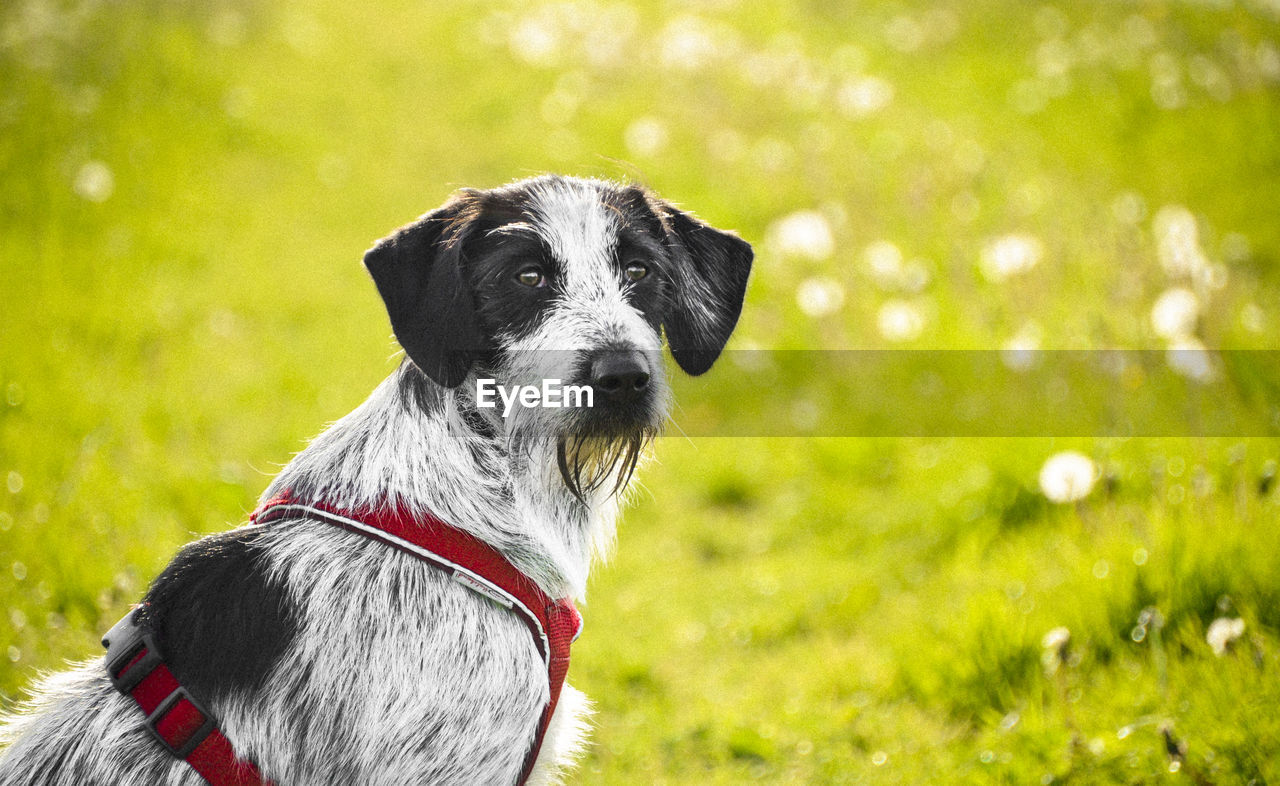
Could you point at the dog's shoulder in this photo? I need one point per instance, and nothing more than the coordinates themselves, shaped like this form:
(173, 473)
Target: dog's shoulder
(219, 616)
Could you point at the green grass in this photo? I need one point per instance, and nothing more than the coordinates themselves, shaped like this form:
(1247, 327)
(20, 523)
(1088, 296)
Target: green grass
(787, 610)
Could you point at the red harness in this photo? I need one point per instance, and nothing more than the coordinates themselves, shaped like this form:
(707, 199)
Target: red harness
(189, 732)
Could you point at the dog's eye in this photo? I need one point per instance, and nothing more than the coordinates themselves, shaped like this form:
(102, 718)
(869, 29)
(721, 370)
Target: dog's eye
(531, 277)
(636, 271)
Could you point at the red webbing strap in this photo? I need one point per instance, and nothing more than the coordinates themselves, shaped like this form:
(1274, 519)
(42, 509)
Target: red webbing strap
(554, 624)
(213, 758)
(563, 626)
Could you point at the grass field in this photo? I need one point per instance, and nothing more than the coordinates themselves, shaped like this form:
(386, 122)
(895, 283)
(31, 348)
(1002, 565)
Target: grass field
(186, 190)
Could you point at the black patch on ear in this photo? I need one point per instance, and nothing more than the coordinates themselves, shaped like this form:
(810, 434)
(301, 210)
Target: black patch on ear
(418, 272)
(710, 273)
(220, 620)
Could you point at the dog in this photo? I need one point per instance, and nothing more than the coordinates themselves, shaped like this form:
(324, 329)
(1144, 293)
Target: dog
(322, 655)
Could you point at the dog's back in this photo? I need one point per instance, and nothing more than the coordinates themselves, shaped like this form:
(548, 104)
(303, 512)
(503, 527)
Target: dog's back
(77, 731)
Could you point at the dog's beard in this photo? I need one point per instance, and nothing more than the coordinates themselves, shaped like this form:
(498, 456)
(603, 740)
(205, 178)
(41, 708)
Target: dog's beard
(590, 461)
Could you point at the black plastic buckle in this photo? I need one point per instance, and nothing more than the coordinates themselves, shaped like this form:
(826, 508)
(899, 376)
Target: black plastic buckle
(123, 642)
(197, 736)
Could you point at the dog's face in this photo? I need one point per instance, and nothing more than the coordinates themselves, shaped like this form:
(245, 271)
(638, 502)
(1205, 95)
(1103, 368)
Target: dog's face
(568, 280)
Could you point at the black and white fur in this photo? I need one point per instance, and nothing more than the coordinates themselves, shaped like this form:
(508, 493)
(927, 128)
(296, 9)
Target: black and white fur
(329, 658)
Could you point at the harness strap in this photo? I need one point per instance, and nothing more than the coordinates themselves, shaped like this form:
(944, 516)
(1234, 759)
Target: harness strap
(188, 731)
(174, 717)
(554, 624)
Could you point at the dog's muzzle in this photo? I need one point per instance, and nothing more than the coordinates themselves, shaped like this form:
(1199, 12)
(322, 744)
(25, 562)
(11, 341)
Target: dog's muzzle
(619, 377)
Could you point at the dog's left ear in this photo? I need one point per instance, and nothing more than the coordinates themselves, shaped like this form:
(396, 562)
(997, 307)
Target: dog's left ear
(710, 278)
(418, 272)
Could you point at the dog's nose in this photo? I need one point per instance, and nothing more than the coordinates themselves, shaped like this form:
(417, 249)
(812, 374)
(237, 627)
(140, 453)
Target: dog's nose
(620, 375)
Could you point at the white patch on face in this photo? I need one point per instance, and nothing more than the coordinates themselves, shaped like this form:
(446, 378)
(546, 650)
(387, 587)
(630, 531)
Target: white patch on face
(592, 310)
(582, 233)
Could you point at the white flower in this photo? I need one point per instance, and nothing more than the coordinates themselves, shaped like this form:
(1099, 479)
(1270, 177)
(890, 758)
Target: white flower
(1191, 359)
(535, 40)
(904, 34)
(1055, 649)
(1178, 241)
(899, 320)
(805, 234)
(646, 136)
(1056, 639)
(884, 260)
(915, 276)
(864, 96)
(1223, 633)
(1067, 476)
(688, 43)
(95, 182)
(1010, 254)
(1175, 312)
(819, 296)
(1021, 352)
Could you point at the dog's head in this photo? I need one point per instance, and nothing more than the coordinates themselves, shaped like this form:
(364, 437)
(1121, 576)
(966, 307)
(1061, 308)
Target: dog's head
(569, 280)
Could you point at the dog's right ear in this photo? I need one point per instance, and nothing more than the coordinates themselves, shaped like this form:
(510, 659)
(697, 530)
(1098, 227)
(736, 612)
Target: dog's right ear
(418, 272)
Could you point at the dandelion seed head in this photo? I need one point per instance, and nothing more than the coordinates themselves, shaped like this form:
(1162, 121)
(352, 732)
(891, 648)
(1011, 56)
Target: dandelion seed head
(688, 43)
(1175, 313)
(94, 182)
(819, 296)
(904, 34)
(805, 234)
(864, 96)
(884, 262)
(1020, 353)
(1010, 254)
(1190, 358)
(1067, 476)
(1178, 241)
(900, 320)
(1056, 638)
(1054, 58)
(1222, 633)
(646, 137)
(535, 40)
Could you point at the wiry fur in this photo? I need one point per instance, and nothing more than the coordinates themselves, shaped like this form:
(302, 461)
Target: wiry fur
(366, 665)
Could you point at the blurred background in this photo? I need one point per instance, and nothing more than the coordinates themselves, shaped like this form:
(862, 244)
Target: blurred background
(186, 190)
